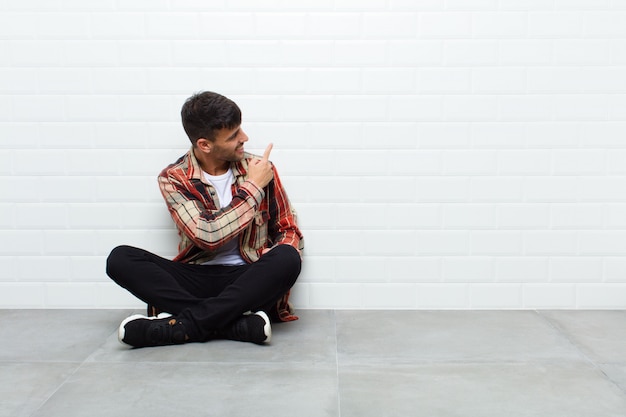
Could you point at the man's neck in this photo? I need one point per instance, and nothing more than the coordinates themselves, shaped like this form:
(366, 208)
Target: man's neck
(209, 165)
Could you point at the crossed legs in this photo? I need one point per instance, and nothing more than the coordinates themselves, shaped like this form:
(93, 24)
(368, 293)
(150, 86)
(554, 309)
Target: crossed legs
(205, 298)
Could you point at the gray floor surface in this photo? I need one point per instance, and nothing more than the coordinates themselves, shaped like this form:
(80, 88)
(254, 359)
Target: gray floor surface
(329, 363)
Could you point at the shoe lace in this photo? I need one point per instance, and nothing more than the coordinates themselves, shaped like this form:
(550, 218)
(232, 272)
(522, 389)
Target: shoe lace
(170, 331)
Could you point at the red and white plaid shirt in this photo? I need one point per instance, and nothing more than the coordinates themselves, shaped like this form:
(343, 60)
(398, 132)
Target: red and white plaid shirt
(259, 218)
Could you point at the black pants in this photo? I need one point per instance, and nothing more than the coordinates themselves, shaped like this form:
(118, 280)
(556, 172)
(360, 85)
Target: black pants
(205, 297)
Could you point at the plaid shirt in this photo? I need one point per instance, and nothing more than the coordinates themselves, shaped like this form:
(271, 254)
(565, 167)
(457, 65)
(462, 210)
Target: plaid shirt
(259, 218)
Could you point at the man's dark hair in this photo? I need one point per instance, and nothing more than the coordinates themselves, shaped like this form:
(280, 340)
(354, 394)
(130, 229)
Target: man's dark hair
(203, 114)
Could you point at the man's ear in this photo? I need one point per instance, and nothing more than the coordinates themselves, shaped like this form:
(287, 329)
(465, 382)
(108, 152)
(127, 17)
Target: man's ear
(204, 145)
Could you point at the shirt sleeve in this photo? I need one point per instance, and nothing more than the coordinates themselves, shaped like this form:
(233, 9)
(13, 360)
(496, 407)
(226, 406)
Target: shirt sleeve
(284, 229)
(190, 209)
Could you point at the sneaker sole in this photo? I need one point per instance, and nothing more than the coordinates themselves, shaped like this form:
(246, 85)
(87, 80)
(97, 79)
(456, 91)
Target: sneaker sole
(121, 331)
(267, 329)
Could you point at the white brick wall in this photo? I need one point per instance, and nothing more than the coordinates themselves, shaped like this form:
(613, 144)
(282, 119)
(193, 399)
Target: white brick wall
(448, 154)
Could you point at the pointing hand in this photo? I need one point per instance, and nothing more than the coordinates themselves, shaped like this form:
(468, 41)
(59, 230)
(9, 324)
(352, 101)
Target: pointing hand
(260, 170)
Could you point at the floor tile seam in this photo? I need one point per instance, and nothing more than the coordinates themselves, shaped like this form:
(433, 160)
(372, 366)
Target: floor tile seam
(565, 335)
(59, 386)
(337, 382)
(547, 362)
(80, 365)
(38, 362)
(597, 365)
(280, 364)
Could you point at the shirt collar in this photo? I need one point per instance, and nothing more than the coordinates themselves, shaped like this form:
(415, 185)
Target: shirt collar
(239, 168)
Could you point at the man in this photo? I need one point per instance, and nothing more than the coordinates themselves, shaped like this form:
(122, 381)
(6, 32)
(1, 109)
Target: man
(240, 246)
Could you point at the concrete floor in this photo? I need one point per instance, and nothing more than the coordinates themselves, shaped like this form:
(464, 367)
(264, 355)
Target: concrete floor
(329, 363)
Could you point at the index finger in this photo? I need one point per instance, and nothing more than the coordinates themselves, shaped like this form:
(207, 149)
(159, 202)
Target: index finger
(266, 154)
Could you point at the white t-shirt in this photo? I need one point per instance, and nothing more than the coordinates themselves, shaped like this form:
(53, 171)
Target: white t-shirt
(229, 253)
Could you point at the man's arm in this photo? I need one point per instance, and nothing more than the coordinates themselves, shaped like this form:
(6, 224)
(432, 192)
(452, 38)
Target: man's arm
(208, 229)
